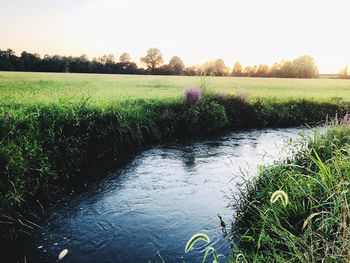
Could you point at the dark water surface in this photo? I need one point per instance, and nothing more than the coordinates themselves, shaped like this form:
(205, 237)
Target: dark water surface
(156, 202)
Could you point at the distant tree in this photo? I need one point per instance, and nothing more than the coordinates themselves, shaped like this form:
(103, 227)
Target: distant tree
(124, 58)
(108, 63)
(84, 58)
(275, 70)
(305, 67)
(6, 59)
(237, 70)
(54, 63)
(287, 69)
(176, 66)
(262, 71)
(129, 68)
(162, 70)
(192, 71)
(301, 67)
(80, 64)
(249, 71)
(153, 59)
(106, 59)
(31, 62)
(215, 68)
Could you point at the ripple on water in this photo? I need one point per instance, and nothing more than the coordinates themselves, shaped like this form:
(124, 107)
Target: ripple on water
(156, 202)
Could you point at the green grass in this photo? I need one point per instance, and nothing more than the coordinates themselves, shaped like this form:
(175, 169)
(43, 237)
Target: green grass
(315, 224)
(33, 88)
(53, 124)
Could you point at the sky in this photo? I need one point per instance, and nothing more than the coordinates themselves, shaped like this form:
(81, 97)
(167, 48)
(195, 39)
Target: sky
(251, 31)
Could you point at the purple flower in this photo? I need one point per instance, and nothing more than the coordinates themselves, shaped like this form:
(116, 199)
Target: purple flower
(193, 94)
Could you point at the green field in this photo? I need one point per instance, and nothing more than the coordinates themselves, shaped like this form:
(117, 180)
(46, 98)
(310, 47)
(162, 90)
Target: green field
(52, 125)
(65, 87)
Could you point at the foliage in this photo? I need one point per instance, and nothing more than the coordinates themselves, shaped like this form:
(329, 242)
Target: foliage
(205, 116)
(176, 66)
(153, 58)
(313, 225)
(214, 68)
(237, 70)
(302, 67)
(124, 58)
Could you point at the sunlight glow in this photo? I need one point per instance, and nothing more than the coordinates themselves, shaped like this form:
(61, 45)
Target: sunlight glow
(251, 31)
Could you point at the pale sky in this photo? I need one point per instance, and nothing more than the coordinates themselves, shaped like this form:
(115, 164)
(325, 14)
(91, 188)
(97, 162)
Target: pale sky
(251, 31)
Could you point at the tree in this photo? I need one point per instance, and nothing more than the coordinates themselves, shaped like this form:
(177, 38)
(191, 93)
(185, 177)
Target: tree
(192, 71)
(54, 63)
(176, 66)
(287, 69)
(9, 60)
(127, 68)
(216, 68)
(153, 59)
(275, 70)
(249, 71)
(106, 59)
(31, 62)
(305, 67)
(263, 71)
(124, 58)
(237, 70)
(80, 64)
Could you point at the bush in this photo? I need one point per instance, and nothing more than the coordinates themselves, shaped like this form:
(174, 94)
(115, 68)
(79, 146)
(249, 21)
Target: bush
(204, 117)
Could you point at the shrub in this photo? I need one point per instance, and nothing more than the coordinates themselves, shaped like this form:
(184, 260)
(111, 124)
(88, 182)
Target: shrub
(204, 117)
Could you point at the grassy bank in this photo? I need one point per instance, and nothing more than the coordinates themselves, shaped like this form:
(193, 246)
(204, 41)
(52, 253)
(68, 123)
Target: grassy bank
(314, 225)
(43, 147)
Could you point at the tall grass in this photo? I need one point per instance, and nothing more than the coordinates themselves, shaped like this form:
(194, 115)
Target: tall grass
(311, 223)
(45, 145)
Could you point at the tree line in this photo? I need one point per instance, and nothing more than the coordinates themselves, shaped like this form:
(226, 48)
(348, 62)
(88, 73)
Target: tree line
(302, 67)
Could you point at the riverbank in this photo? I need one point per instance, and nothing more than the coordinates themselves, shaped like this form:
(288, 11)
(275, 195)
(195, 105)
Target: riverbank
(307, 220)
(43, 147)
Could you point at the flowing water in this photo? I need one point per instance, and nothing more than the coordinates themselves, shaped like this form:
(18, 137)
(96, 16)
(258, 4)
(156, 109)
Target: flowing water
(157, 201)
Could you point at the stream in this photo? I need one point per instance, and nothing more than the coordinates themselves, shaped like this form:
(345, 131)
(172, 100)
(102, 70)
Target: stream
(150, 207)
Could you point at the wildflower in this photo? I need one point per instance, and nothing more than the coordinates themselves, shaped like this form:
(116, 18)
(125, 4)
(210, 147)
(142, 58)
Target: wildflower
(193, 95)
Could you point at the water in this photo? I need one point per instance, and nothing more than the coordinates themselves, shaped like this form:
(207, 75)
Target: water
(156, 202)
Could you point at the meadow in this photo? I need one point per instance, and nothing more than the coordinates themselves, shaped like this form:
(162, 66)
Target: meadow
(52, 125)
(43, 88)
